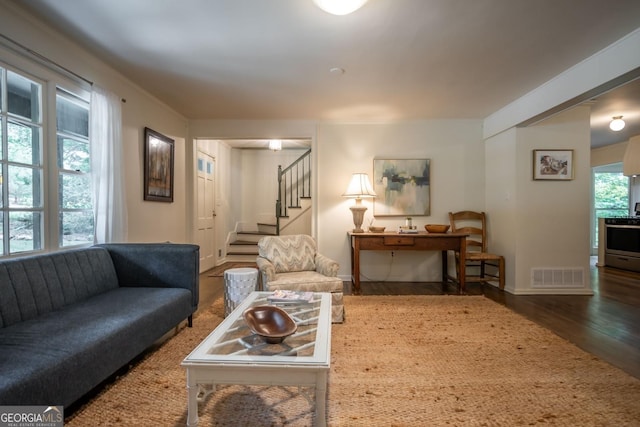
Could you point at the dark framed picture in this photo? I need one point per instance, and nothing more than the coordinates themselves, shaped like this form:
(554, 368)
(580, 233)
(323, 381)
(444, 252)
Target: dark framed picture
(403, 187)
(553, 165)
(158, 166)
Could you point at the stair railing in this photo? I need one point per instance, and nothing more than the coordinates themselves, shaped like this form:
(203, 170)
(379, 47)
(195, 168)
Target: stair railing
(294, 183)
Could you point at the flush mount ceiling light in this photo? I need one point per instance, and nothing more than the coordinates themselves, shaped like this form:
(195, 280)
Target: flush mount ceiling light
(340, 7)
(617, 124)
(275, 145)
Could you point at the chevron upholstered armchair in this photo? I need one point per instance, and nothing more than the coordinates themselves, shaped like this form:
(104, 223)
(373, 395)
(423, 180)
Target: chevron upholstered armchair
(293, 263)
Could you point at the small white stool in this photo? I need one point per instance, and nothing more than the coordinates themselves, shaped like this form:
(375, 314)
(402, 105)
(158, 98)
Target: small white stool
(238, 284)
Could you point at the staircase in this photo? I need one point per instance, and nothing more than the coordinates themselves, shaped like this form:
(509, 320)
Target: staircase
(293, 212)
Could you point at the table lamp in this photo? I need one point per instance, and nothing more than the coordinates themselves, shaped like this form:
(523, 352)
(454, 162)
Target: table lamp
(358, 188)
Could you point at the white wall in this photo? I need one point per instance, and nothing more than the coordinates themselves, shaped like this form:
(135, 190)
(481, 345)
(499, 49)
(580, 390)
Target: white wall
(456, 152)
(545, 224)
(148, 221)
(256, 180)
(501, 198)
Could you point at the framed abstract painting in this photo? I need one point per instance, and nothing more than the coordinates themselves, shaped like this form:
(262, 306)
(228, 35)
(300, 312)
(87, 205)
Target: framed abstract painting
(158, 167)
(403, 187)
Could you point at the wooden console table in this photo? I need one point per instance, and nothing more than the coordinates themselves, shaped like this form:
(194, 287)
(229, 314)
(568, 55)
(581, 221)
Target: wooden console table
(421, 241)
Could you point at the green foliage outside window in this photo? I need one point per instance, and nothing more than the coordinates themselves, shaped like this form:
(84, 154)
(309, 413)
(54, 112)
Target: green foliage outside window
(611, 194)
(610, 197)
(24, 179)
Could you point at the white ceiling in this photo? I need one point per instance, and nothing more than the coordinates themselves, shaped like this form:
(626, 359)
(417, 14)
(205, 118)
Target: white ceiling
(403, 59)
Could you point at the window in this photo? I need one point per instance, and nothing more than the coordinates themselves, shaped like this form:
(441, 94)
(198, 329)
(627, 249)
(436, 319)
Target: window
(42, 207)
(610, 196)
(74, 181)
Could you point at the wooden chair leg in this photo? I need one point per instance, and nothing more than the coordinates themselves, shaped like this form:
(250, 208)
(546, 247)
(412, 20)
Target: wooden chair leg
(501, 272)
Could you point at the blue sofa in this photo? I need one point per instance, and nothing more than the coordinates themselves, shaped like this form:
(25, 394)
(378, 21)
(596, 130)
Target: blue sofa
(71, 319)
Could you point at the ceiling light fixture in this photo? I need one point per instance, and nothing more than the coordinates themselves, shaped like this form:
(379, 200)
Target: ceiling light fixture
(340, 7)
(617, 124)
(275, 145)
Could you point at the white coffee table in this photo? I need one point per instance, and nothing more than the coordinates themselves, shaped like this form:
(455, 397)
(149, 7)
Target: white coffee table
(231, 354)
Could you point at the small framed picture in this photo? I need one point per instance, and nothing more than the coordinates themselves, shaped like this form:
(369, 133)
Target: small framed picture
(553, 165)
(158, 167)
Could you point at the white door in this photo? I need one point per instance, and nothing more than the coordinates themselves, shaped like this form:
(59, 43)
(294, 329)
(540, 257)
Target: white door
(205, 235)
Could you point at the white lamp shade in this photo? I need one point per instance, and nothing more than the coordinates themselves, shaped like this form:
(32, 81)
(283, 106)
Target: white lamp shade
(340, 7)
(359, 187)
(631, 159)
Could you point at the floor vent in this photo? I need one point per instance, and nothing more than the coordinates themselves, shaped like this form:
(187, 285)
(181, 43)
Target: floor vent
(561, 277)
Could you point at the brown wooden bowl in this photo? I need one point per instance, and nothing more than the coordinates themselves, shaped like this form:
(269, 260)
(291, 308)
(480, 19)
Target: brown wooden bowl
(377, 229)
(437, 228)
(270, 322)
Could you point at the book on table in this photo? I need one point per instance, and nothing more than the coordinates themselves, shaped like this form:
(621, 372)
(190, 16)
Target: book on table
(285, 296)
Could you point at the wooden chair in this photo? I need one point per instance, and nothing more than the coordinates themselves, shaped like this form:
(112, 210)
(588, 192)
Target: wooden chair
(475, 225)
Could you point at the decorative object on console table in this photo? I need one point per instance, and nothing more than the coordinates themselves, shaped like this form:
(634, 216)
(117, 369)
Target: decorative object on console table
(408, 229)
(437, 228)
(358, 188)
(404, 187)
(553, 165)
(158, 167)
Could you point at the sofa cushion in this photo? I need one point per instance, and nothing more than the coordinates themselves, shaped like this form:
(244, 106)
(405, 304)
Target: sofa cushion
(33, 286)
(38, 357)
(305, 281)
(289, 253)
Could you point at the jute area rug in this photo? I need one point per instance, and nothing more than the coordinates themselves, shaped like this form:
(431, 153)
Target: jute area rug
(396, 361)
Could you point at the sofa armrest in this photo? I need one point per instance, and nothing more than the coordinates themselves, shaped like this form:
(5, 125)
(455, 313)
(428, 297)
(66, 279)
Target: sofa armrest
(267, 270)
(326, 266)
(157, 265)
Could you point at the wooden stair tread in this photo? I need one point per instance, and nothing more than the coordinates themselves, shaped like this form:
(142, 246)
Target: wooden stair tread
(243, 242)
(260, 233)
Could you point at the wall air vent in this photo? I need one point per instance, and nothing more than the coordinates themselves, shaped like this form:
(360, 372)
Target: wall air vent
(557, 277)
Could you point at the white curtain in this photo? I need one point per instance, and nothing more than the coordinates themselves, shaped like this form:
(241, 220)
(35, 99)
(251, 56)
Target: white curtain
(107, 170)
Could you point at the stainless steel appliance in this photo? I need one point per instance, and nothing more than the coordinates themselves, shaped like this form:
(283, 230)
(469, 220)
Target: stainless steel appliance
(622, 243)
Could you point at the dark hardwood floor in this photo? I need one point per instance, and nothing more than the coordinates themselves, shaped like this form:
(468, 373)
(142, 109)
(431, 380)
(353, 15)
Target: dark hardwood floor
(606, 324)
